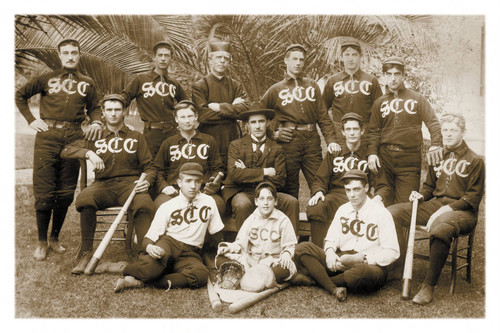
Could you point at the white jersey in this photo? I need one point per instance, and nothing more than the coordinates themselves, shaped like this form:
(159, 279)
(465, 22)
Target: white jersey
(186, 221)
(369, 231)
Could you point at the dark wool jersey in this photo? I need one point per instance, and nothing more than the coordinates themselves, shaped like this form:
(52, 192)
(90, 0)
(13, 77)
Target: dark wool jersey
(459, 177)
(65, 94)
(397, 119)
(156, 96)
(344, 94)
(224, 91)
(299, 101)
(177, 150)
(124, 154)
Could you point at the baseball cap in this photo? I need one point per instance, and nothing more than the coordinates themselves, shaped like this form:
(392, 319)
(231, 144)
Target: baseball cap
(350, 43)
(354, 174)
(256, 109)
(114, 97)
(394, 61)
(297, 47)
(352, 115)
(191, 168)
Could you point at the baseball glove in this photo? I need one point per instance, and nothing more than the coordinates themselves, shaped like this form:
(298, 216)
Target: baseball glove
(230, 274)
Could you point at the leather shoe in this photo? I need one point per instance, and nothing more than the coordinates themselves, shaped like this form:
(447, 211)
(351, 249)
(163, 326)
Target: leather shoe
(54, 246)
(424, 296)
(41, 251)
(82, 264)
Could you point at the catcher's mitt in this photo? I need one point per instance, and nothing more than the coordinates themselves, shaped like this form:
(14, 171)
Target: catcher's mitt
(230, 274)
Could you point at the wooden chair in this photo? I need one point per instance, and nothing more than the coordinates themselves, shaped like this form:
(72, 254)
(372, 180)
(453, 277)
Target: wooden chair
(456, 253)
(124, 232)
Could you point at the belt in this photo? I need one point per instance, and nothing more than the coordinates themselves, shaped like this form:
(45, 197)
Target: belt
(154, 124)
(61, 124)
(299, 127)
(392, 147)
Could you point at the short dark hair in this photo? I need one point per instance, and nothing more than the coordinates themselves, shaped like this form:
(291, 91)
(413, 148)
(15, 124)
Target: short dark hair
(386, 67)
(360, 123)
(184, 105)
(354, 47)
(163, 45)
(68, 42)
(269, 187)
(349, 180)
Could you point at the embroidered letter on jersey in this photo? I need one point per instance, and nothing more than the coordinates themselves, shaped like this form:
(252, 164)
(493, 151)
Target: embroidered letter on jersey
(298, 93)
(264, 234)
(398, 105)
(350, 87)
(359, 228)
(189, 151)
(161, 88)
(450, 166)
(187, 215)
(68, 86)
(350, 163)
(115, 145)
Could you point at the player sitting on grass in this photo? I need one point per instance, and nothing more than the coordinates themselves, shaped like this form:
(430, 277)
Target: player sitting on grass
(266, 237)
(175, 238)
(360, 243)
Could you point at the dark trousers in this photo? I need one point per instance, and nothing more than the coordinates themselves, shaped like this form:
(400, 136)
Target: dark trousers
(155, 137)
(223, 134)
(360, 277)
(302, 153)
(402, 172)
(109, 193)
(179, 259)
(243, 204)
(321, 215)
(445, 227)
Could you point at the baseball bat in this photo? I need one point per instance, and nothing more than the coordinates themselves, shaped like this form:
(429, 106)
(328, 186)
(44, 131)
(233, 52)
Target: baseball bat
(407, 273)
(248, 301)
(213, 297)
(216, 179)
(109, 234)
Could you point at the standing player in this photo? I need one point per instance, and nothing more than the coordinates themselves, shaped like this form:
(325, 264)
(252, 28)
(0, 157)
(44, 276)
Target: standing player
(266, 237)
(352, 90)
(156, 95)
(174, 240)
(219, 99)
(361, 242)
(253, 159)
(450, 201)
(118, 158)
(328, 188)
(65, 94)
(299, 107)
(188, 145)
(395, 133)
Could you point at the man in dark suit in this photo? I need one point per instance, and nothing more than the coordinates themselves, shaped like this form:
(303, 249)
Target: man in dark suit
(253, 159)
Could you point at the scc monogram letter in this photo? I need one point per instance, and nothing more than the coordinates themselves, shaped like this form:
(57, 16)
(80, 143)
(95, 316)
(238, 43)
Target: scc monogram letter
(356, 227)
(188, 216)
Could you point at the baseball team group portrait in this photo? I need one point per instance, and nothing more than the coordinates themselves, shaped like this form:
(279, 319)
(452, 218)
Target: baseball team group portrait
(250, 166)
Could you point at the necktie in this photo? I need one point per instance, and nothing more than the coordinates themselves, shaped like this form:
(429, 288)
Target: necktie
(257, 154)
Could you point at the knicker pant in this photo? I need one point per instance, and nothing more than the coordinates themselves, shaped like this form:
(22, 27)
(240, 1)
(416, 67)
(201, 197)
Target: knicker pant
(302, 153)
(445, 227)
(243, 204)
(360, 277)
(223, 134)
(321, 215)
(402, 172)
(181, 264)
(109, 193)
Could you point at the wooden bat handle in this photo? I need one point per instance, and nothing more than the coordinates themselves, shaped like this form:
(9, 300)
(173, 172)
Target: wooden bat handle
(216, 179)
(213, 297)
(252, 299)
(407, 274)
(94, 261)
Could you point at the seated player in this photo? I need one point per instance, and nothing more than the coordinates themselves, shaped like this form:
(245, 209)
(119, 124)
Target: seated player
(450, 200)
(328, 189)
(361, 242)
(189, 145)
(253, 159)
(119, 158)
(266, 237)
(174, 240)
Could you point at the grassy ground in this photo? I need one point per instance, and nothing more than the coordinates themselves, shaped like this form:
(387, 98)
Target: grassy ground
(47, 289)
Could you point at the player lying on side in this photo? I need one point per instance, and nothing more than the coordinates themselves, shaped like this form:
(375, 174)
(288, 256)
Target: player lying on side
(361, 242)
(173, 242)
(266, 237)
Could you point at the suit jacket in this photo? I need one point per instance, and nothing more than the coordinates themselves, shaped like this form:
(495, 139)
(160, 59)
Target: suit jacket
(247, 179)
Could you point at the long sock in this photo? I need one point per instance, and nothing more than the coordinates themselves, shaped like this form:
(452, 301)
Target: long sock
(57, 222)
(339, 280)
(142, 222)
(438, 255)
(318, 232)
(318, 272)
(42, 221)
(280, 274)
(88, 223)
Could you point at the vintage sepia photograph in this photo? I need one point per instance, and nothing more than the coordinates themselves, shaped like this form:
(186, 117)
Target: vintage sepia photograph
(226, 165)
